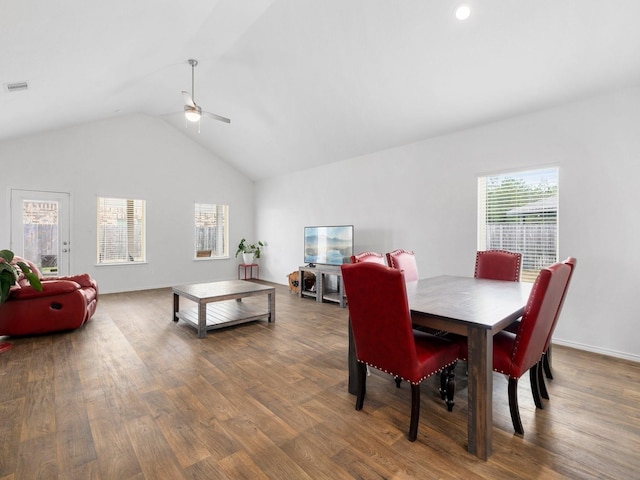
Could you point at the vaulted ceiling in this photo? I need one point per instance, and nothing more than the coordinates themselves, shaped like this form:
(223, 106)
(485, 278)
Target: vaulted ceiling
(308, 82)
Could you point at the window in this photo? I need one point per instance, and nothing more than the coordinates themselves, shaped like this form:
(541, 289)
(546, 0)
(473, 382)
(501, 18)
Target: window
(519, 212)
(121, 231)
(211, 230)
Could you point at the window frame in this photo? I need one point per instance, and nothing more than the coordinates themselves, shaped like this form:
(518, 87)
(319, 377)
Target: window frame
(134, 211)
(202, 240)
(524, 205)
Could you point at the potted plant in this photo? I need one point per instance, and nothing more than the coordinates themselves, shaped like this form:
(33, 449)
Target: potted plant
(9, 273)
(249, 251)
(8, 278)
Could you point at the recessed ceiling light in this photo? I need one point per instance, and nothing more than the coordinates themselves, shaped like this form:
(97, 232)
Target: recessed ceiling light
(463, 12)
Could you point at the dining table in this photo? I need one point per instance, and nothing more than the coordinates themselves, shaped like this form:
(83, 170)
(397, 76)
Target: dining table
(477, 309)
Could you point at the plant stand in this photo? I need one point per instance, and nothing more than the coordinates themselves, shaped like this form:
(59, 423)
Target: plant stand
(250, 267)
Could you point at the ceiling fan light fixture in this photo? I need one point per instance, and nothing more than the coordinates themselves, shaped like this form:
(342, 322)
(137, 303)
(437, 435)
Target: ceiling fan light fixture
(192, 114)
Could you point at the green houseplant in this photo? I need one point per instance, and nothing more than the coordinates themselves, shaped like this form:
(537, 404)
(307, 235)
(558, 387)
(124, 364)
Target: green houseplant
(9, 274)
(249, 248)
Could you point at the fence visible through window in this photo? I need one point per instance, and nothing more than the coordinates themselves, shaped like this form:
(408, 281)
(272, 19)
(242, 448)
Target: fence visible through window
(536, 241)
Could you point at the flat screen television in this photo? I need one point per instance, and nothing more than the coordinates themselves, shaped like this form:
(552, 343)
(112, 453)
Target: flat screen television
(328, 245)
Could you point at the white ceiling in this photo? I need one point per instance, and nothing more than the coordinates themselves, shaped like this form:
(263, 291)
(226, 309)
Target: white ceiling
(308, 82)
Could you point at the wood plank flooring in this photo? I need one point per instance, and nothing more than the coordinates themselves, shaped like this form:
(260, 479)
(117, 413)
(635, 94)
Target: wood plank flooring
(133, 395)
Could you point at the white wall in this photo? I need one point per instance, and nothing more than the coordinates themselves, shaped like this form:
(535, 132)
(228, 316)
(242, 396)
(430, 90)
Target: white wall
(420, 196)
(423, 197)
(133, 156)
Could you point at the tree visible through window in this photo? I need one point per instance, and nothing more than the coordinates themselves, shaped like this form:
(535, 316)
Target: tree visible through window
(211, 232)
(121, 230)
(519, 212)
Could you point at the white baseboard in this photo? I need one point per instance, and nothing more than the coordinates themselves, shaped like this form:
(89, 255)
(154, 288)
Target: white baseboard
(603, 351)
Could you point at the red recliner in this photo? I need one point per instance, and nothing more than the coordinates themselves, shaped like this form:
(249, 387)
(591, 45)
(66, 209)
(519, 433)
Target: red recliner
(65, 303)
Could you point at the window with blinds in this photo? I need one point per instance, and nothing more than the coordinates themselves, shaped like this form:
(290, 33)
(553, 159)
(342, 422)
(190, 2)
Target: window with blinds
(121, 231)
(211, 230)
(519, 212)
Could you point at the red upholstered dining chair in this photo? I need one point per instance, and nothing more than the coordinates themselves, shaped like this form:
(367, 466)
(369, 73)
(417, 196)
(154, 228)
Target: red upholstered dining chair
(384, 337)
(373, 257)
(404, 260)
(545, 362)
(514, 354)
(498, 265)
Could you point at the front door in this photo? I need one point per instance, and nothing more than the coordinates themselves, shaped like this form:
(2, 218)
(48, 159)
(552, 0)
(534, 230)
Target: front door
(40, 229)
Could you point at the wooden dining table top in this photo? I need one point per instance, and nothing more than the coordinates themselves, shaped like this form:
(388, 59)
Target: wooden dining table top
(468, 301)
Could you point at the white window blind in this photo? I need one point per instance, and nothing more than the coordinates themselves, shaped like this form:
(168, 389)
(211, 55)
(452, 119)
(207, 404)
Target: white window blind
(121, 230)
(518, 212)
(211, 231)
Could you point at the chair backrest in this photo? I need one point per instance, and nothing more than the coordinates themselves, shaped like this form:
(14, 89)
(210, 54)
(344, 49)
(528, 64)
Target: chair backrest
(404, 260)
(368, 257)
(539, 316)
(571, 261)
(498, 265)
(22, 281)
(380, 318)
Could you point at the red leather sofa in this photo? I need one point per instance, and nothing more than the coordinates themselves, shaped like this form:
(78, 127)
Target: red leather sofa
(65, 303)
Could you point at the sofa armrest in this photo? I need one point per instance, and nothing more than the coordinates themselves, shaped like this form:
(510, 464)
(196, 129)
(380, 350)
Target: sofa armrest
(83, 279)
(49, 288)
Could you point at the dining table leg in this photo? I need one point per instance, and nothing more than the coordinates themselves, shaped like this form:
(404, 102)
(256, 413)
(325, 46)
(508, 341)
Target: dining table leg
(480, 365)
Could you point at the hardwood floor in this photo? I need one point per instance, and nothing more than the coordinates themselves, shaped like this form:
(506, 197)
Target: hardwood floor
(133, 395)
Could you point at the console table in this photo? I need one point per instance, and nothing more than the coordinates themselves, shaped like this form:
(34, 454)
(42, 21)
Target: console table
(320, 293)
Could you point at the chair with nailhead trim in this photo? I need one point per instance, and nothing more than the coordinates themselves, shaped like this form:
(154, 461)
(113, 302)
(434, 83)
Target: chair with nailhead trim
(384, 338)
(515, 354)
(368, 257)
(544, 369)
(404, 260)
(498, 265)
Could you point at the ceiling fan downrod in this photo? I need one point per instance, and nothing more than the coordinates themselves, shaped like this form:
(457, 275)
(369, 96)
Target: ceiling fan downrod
(194, 64)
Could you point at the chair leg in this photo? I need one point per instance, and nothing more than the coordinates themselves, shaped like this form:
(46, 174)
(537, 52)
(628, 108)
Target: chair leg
(535, 386)
(451, 388)
(361, 384)
(444, 375)
(415, 412)
(513, 406)
(546, 361)
(541, 385)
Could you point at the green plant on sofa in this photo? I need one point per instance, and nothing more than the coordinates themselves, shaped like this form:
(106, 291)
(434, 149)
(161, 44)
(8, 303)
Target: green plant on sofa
(9, 274)
(254, 248)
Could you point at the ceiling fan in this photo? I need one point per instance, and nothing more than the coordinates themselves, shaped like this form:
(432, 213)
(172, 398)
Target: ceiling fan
(192, 111)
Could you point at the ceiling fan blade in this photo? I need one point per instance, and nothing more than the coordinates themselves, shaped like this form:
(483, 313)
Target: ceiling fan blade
(187, 99)
(218, 117)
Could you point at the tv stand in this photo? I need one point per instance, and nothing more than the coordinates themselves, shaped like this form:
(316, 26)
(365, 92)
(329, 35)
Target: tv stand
(312, 265)
(320, 293)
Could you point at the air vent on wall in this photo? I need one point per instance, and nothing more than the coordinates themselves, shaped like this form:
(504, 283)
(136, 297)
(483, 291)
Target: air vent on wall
(17, 86)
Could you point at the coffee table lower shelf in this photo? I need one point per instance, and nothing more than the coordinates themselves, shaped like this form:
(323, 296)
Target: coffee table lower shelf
(224, 314)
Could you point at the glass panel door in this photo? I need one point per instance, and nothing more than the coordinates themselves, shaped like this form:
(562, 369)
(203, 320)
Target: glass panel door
(40, 229)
